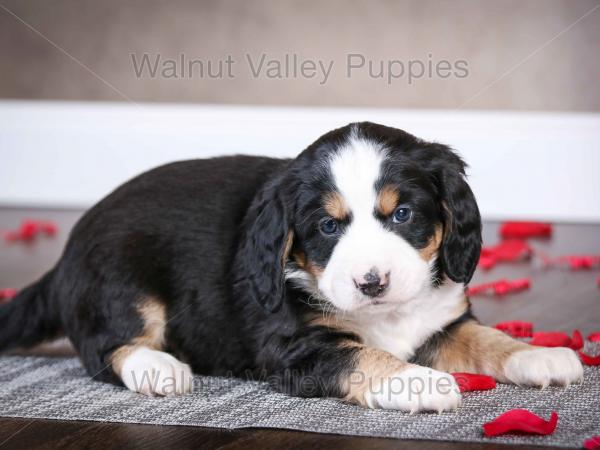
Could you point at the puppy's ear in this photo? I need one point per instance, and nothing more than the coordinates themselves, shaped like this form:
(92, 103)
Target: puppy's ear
(461, 246)
(264, 248)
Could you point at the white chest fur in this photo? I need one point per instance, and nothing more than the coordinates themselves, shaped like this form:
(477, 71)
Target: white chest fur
(403, 330)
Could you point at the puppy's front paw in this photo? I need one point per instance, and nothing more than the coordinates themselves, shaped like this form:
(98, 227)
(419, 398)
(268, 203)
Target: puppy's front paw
(544, 366)
(152, 372)
(416, 389)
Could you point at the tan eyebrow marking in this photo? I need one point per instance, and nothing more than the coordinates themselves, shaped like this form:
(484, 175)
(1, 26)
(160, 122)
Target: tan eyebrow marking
(335, 205)
(388, 199)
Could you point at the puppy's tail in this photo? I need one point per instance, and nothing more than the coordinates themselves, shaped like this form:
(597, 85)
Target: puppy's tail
(28, 318)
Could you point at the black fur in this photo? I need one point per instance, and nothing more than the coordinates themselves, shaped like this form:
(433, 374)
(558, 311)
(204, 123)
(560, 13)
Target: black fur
(208, 239)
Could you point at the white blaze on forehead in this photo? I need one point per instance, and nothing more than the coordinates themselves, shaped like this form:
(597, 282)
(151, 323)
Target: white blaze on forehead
(355, 168)
(365, 242)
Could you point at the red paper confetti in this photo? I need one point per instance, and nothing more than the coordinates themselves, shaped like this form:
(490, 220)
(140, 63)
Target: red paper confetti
(7, 294)
(486, 261)
(550, 339)
(573, 262)
(509, 250)
(524, 230)
(49, 228)
(589, 360)
(594, 337)
(520, 420)
(516, 328)
(581, 262)
(592, 443)
(473, 382)
(500, 287)
(557, 339)
(576, 340)
(30, 229)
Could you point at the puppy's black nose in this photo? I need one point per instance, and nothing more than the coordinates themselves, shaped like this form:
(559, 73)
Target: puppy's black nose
(372, 285)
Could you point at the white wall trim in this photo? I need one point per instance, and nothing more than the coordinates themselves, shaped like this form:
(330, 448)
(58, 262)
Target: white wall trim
(70, 154)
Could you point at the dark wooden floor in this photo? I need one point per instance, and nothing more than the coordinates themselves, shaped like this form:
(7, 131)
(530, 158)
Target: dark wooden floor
(558, 300)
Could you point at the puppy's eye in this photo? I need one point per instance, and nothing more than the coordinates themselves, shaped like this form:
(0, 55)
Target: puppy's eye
(328, 226)
(401, 214)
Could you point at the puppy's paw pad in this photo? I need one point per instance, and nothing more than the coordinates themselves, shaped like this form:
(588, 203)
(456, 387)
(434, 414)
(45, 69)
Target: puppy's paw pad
(543, 367)
(152, 372)
(416, 389)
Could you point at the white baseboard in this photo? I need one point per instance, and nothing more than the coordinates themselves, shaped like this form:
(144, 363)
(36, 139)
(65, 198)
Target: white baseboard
(70, 154)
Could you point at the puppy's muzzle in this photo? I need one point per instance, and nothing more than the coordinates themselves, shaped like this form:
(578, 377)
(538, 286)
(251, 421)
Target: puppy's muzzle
(372, 284)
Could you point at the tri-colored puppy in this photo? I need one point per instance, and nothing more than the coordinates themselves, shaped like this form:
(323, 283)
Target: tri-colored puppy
(338, 273)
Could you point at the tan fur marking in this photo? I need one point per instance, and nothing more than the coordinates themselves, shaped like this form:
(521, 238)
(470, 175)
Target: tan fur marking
(331, 321)
(478, 349)
(461, 307)
(314, 270)
(308, 266)
(434, 244)
(289, 240)
(335, 205)
(154, 315)
(448, 221)
(300, 258)
(372, 368)
(387, 200)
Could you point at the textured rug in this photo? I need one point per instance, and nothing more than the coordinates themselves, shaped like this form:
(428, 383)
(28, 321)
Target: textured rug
(58, 388)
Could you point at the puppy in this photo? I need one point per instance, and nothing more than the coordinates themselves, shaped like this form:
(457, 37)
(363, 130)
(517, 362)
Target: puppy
(338, 273)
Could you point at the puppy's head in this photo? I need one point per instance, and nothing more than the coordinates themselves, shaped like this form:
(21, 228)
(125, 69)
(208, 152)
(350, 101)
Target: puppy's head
(367, 216)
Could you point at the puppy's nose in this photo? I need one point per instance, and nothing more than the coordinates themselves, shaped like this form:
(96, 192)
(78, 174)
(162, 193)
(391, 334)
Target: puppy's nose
(372, 284)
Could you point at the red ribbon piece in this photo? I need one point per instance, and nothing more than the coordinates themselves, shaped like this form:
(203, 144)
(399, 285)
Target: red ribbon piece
(509, 250)
(550, 339)
(30, 229)
(516, 328)
(573, 262)
(520, 420)
(557, 339)
(7, 294)
(592, 443)
(589, 360)
(578, 262)
(524, 230)
(473, 382)
(500, 287)
(594, 337)
(576, 340)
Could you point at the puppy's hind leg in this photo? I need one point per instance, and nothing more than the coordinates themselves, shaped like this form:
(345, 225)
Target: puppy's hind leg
(143, 366)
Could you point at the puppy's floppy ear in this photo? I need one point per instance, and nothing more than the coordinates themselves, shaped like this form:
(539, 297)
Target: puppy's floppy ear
(461, 246)
(264, 247)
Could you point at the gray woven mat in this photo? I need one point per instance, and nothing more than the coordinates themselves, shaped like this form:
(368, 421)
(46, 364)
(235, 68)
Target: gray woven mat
(58, 388)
